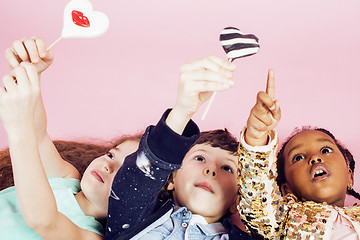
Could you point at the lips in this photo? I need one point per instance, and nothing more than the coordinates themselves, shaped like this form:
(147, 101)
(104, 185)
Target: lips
(206, 186)
(319, 172)
(98, 175)
(79, 19)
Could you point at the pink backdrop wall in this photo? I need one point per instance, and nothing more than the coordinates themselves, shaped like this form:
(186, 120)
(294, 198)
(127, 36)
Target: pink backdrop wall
(121, 82)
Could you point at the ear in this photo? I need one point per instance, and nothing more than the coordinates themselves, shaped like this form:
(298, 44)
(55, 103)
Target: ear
(171, 182)
(350, 179)
(285, 189)
(233, 208)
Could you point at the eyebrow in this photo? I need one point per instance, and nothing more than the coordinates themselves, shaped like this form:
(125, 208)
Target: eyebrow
(226, 159)
(301, 144)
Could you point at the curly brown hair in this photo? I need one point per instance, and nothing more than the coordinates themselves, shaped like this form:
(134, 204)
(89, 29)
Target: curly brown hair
(79, 154)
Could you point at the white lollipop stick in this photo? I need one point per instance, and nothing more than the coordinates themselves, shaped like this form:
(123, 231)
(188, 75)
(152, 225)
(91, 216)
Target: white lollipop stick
(58, 40)
(208, 106)
(210, 101)
(236, 45)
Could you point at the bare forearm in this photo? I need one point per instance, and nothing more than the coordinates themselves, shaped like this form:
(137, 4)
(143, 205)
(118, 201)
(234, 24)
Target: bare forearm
(35, 196)
(52, 162)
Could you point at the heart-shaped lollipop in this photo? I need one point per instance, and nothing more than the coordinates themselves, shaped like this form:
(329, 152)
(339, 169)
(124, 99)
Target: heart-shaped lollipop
(237, 45)
(81, 21)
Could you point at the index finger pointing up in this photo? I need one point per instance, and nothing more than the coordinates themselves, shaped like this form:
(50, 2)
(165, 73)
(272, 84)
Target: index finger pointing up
(270, 85)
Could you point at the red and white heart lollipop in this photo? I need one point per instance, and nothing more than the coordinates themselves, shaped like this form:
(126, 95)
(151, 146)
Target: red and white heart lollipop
(81, 21)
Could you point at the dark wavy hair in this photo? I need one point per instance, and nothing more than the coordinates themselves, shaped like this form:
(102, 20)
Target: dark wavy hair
(281, 179)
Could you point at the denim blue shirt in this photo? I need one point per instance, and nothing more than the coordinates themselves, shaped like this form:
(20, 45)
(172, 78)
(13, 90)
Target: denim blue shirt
(182, 224)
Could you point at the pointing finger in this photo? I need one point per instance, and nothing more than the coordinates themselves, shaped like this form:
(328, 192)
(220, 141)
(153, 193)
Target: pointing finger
(270, 86)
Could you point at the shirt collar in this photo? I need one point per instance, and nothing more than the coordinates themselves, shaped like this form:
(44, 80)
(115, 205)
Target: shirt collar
(211, 229)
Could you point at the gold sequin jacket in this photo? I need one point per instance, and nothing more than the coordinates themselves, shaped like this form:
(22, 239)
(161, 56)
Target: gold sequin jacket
(267, 214)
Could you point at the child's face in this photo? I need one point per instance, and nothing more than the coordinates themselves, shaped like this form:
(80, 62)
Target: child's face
(315, 169)
(206, 182)
(99, 175)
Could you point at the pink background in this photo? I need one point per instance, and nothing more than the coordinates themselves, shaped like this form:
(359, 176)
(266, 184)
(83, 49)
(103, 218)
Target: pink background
(122, 81)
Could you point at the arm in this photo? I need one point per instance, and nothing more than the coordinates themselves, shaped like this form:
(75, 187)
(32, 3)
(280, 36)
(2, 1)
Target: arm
(163, 146)
(261, 206)
(34, 51)
(36, 200)
(198, 80)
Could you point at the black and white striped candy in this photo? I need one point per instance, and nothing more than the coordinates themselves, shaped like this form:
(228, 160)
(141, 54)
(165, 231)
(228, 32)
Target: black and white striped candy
(237, 45)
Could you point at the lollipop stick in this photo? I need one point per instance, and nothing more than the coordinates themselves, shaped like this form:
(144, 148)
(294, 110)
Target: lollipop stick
(208, 106)
(54, 43)
(210, 101)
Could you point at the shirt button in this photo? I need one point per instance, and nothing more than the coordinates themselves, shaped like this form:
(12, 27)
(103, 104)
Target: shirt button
(184, 225)
(125, 226)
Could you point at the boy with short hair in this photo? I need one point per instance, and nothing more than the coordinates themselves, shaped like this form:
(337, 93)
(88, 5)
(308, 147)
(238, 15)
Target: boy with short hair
(203, 183)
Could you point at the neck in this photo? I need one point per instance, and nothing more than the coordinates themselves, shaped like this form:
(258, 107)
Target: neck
(211, 220)
(88, 207)
(339, 203)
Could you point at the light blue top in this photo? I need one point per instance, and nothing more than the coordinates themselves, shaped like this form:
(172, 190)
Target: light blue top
(182, 224)
(13, 226)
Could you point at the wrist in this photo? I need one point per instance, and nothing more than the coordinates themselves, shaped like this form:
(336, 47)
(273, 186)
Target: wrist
(19, 133)
(177, 120)
(258, 140)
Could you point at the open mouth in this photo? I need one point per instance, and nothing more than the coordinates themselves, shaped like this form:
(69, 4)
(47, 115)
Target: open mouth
(97, 175)
(206, 186)
(319, 172)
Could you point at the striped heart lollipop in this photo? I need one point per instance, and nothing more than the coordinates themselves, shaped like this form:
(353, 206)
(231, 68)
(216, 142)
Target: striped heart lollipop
(237, 45)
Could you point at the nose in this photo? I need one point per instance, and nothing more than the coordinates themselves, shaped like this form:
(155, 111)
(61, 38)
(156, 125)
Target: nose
(108, 166)
(315, 159)
(209, 171)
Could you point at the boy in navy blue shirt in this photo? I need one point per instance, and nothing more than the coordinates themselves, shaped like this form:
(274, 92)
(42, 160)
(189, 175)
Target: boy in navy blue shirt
(201, 182)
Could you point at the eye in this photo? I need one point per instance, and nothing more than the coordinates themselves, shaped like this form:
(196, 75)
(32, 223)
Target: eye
(110, 155)
(326, 150)
(298, 157)
(200, 158)
(227, 168)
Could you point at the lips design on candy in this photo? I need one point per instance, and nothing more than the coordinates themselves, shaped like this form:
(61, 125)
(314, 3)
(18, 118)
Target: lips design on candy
(237, 44)
(81, 21)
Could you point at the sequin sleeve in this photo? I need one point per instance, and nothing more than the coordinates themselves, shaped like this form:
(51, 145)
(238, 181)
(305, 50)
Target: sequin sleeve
(261, 206)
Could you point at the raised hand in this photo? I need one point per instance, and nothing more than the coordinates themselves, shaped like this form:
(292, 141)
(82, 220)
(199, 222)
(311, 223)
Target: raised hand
(19, 98)
(198, 80)
(31, 50)
(264, 116)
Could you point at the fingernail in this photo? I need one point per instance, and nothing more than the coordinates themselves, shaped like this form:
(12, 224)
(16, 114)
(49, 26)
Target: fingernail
(35, 59)
(272, 108)
(43, 54)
